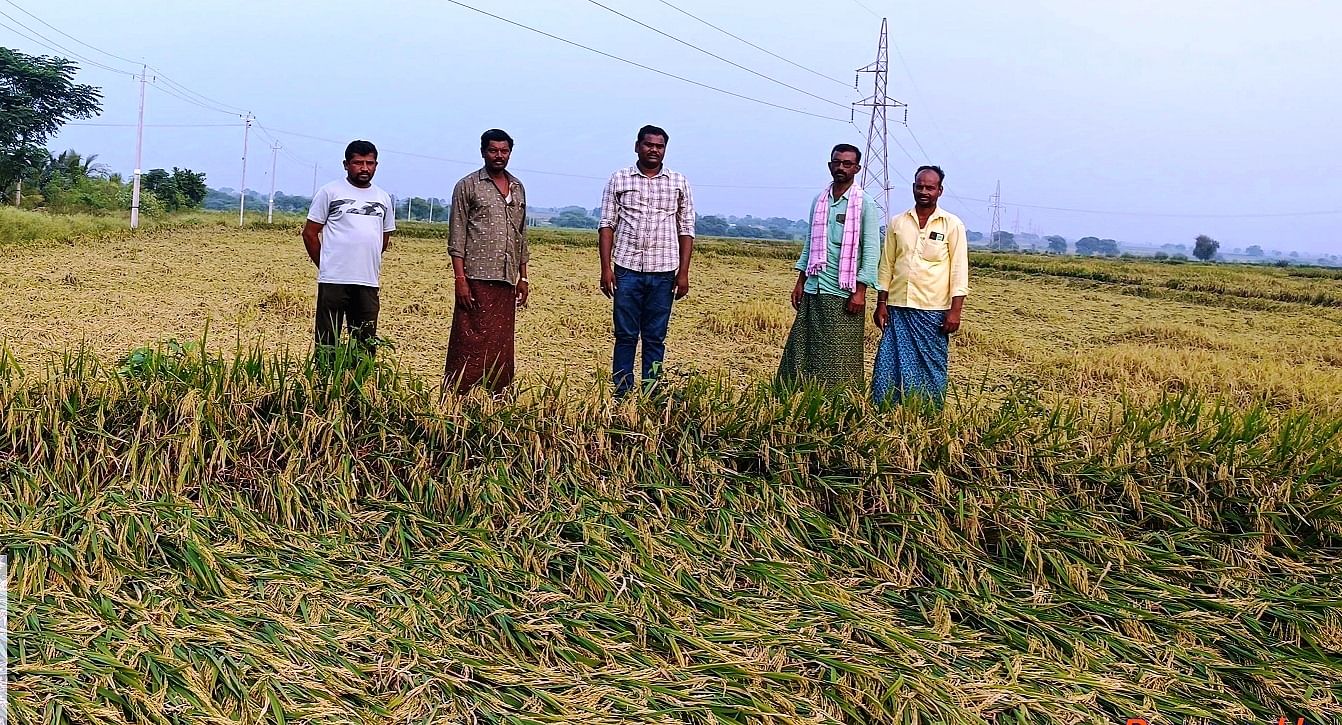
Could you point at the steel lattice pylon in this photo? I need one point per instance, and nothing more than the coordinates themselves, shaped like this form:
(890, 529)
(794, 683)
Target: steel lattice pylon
(876, 159)
(996, 205)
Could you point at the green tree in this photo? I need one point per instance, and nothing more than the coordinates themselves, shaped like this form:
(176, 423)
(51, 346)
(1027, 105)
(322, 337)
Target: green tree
(159, 184)
(1254, 250)
(38, 95)
(1056, 244)
(713, 226)
(1204, 247)
(74, 166)
(1087, 246)
(190, 186)
(574, 218)
(1004, 241)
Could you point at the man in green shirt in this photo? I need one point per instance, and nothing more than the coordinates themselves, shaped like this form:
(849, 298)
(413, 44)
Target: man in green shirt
(837, 265)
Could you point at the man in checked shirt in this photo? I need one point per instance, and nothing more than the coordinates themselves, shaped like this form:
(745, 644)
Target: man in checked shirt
(646, 237)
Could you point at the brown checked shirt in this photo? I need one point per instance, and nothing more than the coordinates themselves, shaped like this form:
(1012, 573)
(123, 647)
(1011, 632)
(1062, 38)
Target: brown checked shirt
(487, 230)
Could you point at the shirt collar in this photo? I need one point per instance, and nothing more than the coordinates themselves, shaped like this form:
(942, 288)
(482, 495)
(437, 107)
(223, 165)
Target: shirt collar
(829, 194)
(635, 171)
(913, 212)
(483, 175)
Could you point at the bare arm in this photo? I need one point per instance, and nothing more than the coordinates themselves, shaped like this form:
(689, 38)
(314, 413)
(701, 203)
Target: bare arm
(798, 290)
(605, 242)
(605, 236)
(312, 241)
(685, 231)
(683, 272)
(465, 298)
(952, 323)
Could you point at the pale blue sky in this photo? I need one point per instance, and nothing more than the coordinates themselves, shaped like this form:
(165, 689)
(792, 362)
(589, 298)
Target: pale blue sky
(1144, 109)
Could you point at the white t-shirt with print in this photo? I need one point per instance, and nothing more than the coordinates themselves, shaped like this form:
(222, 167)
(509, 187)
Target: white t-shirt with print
(354, 221)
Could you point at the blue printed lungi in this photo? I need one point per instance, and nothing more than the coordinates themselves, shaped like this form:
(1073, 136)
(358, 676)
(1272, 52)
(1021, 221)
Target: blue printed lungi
(912, 357)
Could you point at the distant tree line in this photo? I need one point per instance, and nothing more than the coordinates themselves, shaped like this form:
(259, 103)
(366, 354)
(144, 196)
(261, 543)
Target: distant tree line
(746, 227)
(72, 182)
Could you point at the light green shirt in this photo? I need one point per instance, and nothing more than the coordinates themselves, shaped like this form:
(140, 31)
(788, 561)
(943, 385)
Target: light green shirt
(868, 242)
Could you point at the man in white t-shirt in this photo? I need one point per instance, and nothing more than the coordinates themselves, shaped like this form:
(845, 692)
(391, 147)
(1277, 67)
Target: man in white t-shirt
(349, 227)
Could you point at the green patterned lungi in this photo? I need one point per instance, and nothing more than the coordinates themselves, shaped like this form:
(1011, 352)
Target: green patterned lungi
(825, 345)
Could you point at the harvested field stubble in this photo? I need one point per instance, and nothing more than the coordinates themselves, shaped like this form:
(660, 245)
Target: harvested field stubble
(1094, 341)
(1131, 507)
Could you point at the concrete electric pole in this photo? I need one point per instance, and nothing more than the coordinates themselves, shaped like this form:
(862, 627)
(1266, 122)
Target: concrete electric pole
(139, 147)
(274, 154)
(242, 192)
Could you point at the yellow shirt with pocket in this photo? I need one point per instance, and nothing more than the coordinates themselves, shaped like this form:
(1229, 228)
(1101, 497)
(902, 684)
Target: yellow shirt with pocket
(924, 268)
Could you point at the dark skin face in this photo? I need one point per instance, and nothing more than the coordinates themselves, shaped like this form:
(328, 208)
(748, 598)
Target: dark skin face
(926, 190)
(359, 169)
(496, 156)
(650, 149)
(843, 167)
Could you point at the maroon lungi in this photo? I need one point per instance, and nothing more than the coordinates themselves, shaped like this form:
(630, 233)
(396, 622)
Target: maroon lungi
(480, 347)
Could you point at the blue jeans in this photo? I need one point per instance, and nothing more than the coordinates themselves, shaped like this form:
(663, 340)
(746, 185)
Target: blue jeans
(642, 309)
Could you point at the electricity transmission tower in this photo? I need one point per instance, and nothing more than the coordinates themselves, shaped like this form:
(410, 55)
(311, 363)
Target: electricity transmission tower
(995, 203)
(876, 159)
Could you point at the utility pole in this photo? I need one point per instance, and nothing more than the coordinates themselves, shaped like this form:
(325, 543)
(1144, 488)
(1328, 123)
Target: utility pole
(431, 210)
(876, 166)
(18, 194)
(1015, 228)
(274, 153)
(314, 180)
(242, 191)
(408, 201)
(995, 203)
(139, 147)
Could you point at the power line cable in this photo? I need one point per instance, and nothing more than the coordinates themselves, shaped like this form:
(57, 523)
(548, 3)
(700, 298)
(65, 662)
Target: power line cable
(167, 90)
(181, 88)
(432, 157)
(71, 37)
(1180, 215)
(931, 117)
(158, 74)
(756, 47)
(644, 67)
(155, 125)
(711, 54)
(283, 149)
(55, 47)
(864, 7)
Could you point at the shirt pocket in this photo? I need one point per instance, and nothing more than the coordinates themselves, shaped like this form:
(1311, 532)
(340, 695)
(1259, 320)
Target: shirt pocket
(630, 199)
(932, 250)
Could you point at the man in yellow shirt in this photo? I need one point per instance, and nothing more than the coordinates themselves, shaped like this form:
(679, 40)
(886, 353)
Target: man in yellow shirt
(923, 279)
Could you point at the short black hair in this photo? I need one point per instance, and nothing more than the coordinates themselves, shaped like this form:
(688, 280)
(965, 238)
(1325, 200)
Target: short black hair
(941, 175)
(360, 148)
(495, 134)
(846, 148)
(655, 131)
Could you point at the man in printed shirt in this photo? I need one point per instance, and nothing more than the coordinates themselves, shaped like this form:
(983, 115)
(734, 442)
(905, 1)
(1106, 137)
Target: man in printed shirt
(923, 280)
(487, 240)
(646, 237)
(348, 228)
(836, 267)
